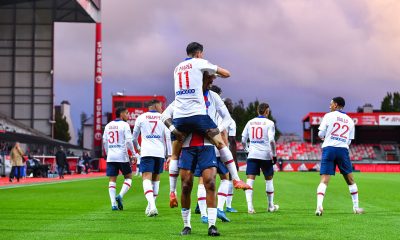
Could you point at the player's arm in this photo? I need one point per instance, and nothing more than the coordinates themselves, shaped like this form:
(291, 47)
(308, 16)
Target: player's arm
(129, 144)
(323, 127)
(351, 135)
(245, 136)
(168, 142)
(166, 118)
(105, 143)
(222, 72)
(135, 134)
(223, 112)
(271, 137)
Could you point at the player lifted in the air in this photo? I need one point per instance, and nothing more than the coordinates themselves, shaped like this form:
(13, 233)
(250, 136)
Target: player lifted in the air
(337, 131)
(117, 141)
(262, 154)
(190, 108)
(152, 152)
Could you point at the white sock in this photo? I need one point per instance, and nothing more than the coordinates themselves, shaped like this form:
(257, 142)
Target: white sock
(156, 188)
(270, 192)
(227, 159)
(229, 198)
(173, 175)
(186, 217)
(222, 194)
(137, 170)
(212, 216)
(321, 194)
(112, 191)
(354, 194)
(125, 187)
(148, 193)
(249, 195)
(201, 199)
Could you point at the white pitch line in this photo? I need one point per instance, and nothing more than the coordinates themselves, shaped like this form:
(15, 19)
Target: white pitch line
(46, 183)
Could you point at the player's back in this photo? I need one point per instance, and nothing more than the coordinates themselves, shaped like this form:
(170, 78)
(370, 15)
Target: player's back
(188, 85)
(116, 134)
(339, 128)
(152, 130)
(260, 131)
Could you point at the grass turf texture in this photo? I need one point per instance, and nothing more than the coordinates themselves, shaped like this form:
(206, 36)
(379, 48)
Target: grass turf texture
(81, 210)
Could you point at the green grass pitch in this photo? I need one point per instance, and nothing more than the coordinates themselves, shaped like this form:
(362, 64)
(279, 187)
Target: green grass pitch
(81, 210)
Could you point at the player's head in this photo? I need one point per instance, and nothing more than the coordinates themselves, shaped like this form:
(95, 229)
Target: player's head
(229, 104)
(122, 113)
(208, 80)
(337, 103)
(194, 50)
(155, 105)
(263, 109)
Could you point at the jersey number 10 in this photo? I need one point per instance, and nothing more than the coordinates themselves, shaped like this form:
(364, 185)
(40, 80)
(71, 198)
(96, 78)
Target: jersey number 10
(256, 132)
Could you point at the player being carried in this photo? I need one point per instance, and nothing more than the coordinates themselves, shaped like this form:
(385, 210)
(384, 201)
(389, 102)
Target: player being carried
(337, 131)
(262, 154)
(152, 152)
(190, 113)
(117, 142)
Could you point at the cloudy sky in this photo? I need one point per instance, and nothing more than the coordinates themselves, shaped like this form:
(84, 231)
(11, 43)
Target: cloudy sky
(294, 54)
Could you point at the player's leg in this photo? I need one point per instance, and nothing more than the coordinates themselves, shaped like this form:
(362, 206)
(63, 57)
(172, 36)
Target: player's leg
(158, 169)
(222, 190)
(187, 185)
(346, 169)
(147, 167)
(268, 171)
(229, 198)
(174, 172)
(126, 170)
(209, 175)
(112, 173)
(202, 199)
(252, 170)
(327, 169)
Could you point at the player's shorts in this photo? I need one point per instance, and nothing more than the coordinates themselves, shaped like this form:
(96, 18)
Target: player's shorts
(152, 164)
(221, 168)
(335, 156)
(203, 156)
(254, 166)
(113, 168)
(197, 123)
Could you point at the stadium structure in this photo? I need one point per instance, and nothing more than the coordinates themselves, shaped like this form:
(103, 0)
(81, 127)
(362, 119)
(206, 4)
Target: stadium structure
(27, 66)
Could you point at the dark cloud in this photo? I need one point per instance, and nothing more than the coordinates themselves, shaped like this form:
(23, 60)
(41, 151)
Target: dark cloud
(294, 54)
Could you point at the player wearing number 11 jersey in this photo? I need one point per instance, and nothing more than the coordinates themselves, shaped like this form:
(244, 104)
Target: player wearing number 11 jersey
(262, 155)
(337, 131)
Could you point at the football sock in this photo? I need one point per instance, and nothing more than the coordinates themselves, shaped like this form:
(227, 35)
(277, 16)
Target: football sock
(227, 159)
(249, 194)
(125, 187)
(354, 194)
(156, 188)
(321, 194)
(270, 192)
(201, 199)
(230, 195)
(112, 192)
(212, 216)
(222, 194)
(148, 192)
(186, 217)
(173, 175)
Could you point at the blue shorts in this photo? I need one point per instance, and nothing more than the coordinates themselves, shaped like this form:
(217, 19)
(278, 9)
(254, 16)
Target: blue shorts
(197, 123)
(203, 156)
(335, 156)
(152, 164)
(254, 166)
(113, 168)
(221, 168)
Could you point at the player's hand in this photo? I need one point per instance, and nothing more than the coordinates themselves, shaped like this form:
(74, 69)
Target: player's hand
(274, 160)
(132, 159)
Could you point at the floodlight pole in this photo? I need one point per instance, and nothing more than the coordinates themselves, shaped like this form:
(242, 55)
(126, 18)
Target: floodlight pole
(98, 79)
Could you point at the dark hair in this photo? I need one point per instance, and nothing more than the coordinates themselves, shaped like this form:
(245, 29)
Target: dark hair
(153, 102)
(193, 47)
(262, 107)
(340, 101)
(216, 89)
(119, 111)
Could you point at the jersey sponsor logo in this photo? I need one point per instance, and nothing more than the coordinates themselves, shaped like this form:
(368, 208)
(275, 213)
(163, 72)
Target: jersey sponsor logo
(338, 139)
(185, 91)
(257, 141)
(115, 146)
(153, 136)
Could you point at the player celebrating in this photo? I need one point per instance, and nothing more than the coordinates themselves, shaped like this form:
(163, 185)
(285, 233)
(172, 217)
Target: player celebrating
(262, 154)
(117, 141)
(337, 131)
(190, 114)
(152, 152)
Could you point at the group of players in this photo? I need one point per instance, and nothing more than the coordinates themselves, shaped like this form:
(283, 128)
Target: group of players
(192, 132)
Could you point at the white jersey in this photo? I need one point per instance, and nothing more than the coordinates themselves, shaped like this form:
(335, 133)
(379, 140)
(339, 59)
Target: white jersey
(117, 139)
(152, 130)
(188, 79)
(232, 129)
(338, 128)
(260, 131)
